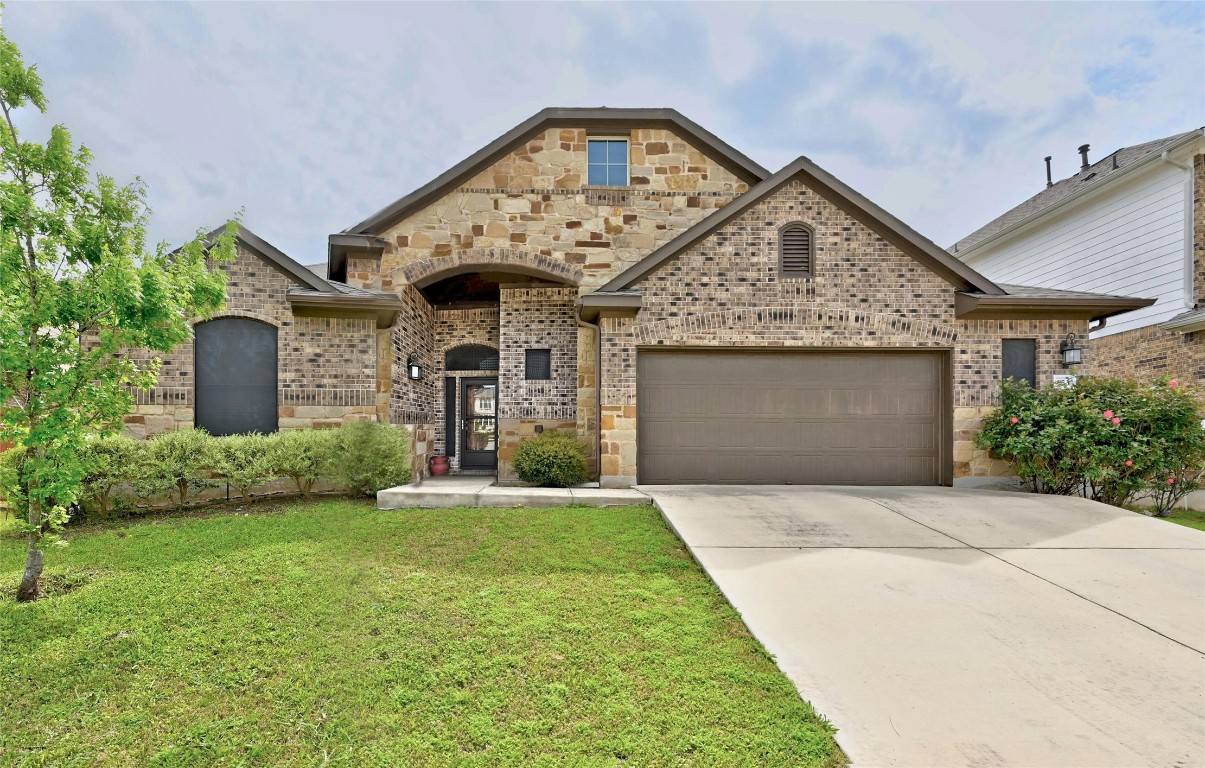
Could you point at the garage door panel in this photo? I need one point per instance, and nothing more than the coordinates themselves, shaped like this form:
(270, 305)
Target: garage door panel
(790, 417)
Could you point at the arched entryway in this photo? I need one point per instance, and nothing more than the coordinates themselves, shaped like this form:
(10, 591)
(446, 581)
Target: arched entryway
(235, 385)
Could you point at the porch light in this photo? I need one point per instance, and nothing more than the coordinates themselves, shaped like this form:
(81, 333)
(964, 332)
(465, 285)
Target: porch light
(414, 370)
(1073, 353)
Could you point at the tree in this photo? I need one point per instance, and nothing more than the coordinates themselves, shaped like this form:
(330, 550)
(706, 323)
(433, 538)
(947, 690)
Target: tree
(78, 287)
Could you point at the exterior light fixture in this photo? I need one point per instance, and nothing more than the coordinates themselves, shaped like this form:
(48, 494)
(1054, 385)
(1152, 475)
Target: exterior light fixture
(1073, 353)
(414, 370)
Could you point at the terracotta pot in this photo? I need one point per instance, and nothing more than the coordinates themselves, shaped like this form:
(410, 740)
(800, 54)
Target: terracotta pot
(439, 465)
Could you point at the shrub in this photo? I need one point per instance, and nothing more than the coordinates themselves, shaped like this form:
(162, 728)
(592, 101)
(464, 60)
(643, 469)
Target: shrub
(557, 459)
(305, 456)
(1110, 439)
(177, 463)
(243, 461)
(370, 457)
(110, 461)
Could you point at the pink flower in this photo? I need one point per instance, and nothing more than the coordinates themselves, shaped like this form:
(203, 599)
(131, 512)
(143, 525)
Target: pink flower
(1129, 462)
(1108, 414)
(1173, 383)
(1116, 420)
(1171, 481)
(1014, 419)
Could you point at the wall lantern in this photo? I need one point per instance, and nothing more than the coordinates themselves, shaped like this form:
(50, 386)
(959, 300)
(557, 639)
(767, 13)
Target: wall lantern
(414, 370)
(1073, 353)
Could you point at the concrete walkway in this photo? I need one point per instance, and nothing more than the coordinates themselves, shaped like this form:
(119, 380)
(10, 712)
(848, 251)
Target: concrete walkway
(948, 627)
(480, 491)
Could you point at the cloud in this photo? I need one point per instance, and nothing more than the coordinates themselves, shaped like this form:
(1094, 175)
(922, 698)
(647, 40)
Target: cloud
(313, 116)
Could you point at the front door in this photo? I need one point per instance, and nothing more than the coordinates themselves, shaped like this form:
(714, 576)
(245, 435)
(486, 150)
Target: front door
(479, 424)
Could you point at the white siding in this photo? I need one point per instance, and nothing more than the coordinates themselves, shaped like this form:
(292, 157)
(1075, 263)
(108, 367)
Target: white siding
(1127, 239)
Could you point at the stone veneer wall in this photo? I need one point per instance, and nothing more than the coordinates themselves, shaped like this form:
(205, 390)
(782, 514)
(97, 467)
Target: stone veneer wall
(535, 199)
(726, 291)
(327, 366)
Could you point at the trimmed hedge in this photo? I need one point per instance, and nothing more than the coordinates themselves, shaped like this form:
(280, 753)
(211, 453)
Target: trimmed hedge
(1112, 440)
(360, 458)
(552, 458)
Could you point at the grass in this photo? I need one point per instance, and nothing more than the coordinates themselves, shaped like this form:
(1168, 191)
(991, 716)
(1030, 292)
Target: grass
(1193, 518)
(335, 634)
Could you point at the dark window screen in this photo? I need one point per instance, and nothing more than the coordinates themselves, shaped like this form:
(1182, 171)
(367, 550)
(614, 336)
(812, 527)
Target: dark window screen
(449, 416)
(539, 364)
(235, 382)
(471, 357)
(1020, 360)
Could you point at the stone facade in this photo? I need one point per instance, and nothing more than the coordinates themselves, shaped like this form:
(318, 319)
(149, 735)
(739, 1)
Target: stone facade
(327, 366)
(726, 291)
(535, 200)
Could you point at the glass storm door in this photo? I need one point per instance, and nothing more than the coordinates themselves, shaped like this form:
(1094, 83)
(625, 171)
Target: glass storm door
(479, 424)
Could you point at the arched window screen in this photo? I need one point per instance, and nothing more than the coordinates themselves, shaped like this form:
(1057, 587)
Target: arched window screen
(795, 250)
(471, 357)
(236, 378)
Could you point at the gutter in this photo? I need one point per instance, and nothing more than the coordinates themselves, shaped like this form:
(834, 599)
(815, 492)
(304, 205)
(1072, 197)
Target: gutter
(1001, 307)
(1187, 140)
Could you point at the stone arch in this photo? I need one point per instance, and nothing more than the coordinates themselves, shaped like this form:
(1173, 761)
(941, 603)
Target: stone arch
(788, 325)
(236, 313)
(427, 271)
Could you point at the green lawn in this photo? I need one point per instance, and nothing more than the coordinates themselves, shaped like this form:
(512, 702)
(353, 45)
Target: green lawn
(335, 634)
(1193, 518)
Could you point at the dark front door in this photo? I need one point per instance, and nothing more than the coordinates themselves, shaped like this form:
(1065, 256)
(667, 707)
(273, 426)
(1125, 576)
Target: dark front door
(479, 424)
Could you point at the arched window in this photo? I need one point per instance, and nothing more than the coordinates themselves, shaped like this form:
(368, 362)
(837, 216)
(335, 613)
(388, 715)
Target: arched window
(471, 357)
(235, 376)
(796, 250)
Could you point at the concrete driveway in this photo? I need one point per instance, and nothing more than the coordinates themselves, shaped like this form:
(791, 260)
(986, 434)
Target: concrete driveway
(948, 627)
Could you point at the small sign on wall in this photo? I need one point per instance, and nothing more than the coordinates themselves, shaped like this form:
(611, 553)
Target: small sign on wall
(1063, 380)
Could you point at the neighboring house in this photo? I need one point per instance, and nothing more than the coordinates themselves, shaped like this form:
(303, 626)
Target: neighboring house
(626, 275)
(1132, 223)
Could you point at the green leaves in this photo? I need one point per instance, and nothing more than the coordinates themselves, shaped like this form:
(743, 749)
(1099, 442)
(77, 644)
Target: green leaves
(552, 458)
(1116, 440)
(78, 288)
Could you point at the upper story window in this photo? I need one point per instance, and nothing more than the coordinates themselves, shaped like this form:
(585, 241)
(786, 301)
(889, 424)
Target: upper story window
(607, 162)
(796, 251)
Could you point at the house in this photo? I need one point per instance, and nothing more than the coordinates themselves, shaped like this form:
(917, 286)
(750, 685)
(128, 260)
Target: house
(627, 275)
(1132, 223)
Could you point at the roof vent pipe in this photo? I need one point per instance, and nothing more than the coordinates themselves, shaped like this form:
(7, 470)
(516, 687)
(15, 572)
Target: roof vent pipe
(1049, 183)
(1083, 153)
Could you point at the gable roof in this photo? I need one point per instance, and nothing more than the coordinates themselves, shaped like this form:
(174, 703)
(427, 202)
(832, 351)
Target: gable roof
(836, 191)
(589, 118)
(316, 294)
(1073, 187)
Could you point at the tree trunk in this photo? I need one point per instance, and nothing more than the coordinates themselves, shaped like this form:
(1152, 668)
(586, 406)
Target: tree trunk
(30, 588)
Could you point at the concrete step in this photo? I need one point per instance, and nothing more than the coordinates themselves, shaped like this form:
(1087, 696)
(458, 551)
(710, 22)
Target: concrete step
(463, 491)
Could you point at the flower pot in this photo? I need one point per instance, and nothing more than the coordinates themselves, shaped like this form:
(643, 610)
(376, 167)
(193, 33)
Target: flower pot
(439, 465)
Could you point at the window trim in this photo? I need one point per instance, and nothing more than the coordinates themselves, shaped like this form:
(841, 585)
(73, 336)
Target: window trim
(627, 166)
(798, 274)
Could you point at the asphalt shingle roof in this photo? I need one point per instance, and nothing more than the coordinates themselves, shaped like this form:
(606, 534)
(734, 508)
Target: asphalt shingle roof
(1099, 172)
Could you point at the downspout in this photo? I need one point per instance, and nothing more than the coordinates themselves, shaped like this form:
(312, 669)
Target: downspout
(597, 391)
(1190, 299)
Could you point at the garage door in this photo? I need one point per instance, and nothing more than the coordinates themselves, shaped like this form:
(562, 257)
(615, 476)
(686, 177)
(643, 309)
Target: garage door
(855, 417)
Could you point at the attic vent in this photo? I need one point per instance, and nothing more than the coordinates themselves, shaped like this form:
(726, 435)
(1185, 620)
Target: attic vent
(795, 250)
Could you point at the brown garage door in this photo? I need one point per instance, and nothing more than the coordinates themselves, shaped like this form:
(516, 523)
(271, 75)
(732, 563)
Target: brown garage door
(857, 417)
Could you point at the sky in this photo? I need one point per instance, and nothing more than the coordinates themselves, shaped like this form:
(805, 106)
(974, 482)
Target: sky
(310, 117)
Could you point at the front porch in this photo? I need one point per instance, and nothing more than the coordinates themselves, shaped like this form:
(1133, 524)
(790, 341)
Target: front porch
(472, 490)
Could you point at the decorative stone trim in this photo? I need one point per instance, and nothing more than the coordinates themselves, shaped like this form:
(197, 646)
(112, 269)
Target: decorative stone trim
(487, 258)
(337, 397)
(573, 193)
(411, 417)
(163, 396)
(559, 413)
(238, 313)
(821, 318)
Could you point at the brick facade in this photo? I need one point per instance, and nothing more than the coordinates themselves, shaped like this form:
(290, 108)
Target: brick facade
(865, 293)
(327, 366)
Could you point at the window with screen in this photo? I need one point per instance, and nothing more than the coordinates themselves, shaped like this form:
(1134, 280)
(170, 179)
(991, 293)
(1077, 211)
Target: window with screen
(1020, 360)
(539, 364)
(607, 161)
